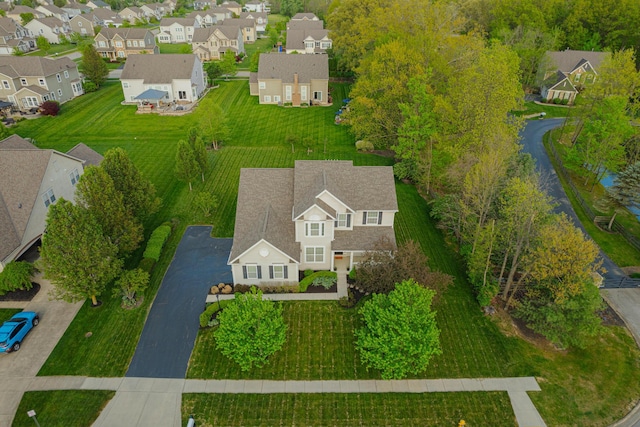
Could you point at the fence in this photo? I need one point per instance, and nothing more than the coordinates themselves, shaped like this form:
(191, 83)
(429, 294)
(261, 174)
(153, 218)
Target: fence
(617, 227)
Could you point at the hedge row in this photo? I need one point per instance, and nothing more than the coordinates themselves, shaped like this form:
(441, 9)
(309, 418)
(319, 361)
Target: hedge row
(156, 242)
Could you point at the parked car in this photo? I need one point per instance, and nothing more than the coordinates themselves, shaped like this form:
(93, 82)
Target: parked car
(13, 331)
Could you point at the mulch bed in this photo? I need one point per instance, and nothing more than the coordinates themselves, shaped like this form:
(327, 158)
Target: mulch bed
(321, 289)
(610, 317)
(21, 295)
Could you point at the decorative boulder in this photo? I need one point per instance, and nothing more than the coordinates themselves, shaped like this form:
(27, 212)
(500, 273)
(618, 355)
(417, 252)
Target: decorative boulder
(221, 285)
(227, 289)
(214, 290)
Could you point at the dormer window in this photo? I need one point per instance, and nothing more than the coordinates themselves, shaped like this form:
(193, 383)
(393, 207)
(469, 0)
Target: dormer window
(343, 221)
(314, 229)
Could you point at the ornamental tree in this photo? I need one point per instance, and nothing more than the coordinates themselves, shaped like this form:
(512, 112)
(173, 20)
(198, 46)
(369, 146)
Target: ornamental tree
(251, 329)
(400, 334)
(92, 66)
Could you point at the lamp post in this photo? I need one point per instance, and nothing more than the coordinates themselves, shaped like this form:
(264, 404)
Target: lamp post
(32, 414)
(218, 298)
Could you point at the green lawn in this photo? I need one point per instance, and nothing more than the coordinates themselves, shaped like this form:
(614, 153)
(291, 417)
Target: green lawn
(391, 409)
(174, 47)
(552, 111)
(598, 384)
(613, 244)
(62, 408)
(55, 49)
(6, 313)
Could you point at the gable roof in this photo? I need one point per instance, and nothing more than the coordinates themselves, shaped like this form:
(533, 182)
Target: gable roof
(8, 25)
(52, 9)
(305, 25)
(87, 154)
(34, 66)
(19, 9)
(242, 23)
(264, 212)
(162, 68)
(282, 66)
(568, 60)
(103, 13)
(49, 21)
(125, 33)
(253, 15)
(307, 16)
(16, 142)
(296, 38)
(187, 22)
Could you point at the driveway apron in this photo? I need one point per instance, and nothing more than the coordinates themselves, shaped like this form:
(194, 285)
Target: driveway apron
(532, 143)
(171, 328)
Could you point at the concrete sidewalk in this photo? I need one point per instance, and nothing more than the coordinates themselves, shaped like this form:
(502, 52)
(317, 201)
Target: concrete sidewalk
(157, 401)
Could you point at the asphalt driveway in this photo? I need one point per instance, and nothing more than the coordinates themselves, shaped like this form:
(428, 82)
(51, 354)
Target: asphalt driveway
(171, 328)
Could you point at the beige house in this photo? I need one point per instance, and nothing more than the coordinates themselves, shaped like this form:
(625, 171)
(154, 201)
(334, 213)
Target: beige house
(162, 78)
(14, 36)
(565, 73)
(55, 11)
(50, 27)
(132, 14)
(212, 42)
(114, 43)
(81, 25)
(205, 18)
(28, 81)
(295, 79)
(31, 180)
(105, 18)
(177, 30)
(261, 19)
(318, 215)
(234, 7)
(247, 26)
(19, 10)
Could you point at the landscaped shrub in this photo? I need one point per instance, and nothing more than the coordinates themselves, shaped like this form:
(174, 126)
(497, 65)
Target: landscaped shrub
(241, 288)
(279, 289)
(156, 242)
(16, 275)
(364, 145)
(308, 273)
(309, 280)
(147, 264)
(50, 108)
(207, 314)
(352, 274)
(564, 102)
(349, 301)
(325, 281)
(89, 87)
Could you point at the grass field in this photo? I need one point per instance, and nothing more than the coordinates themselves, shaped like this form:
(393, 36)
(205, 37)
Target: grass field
(391, 409)
(6, 313)
(62, 408)
(597, 384)
(174, 47)
(551, 111)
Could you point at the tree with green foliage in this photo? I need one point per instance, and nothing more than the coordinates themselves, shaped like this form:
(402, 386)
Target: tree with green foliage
(228, 65)
(251, 329)
(187, 167)
(625, 191)
(16, 275)
(199, 151)
(206, 202)
(93, 66)
(186, 49)
(130, 285)
(254, 63)
(399, 335)
(61, 3)
(43, 44)
(4, 131)
(139, 194)
(213, 70)
(26, 18)
(75, 255)
(97, 193)
(290, 7)
(17, 51)
(274, 36)
(213, 124)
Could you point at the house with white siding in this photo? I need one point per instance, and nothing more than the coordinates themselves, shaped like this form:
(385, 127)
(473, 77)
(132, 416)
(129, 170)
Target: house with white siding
(177, 30)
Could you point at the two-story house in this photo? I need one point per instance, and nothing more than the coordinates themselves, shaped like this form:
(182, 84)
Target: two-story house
(204, 17)
(133, 14)
(74, 8)
(565, 73)
(220, 13)
(212, 42)
(28, 81)
(177, 30)
(14, 36)
(114, 43)
(83, 25)
(21, 10)
(55, 11)
(95, 4)
(179, 76)
(234, 7)
(261, 19)
(50, 27)
(295, 79)
(259, 6)
(247, 26)
(318, 216)
(31, 180)
(304, 17)
(105, 18)
(153, 11)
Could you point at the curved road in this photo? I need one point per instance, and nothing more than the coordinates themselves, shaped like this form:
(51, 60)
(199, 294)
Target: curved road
(532, 143)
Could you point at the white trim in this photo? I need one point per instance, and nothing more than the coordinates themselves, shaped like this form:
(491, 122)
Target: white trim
(315, 261)
(315, 205)
(231, 261)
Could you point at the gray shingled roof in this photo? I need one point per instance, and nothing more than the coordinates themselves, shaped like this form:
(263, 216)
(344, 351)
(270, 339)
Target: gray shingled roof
(14, 142)
(360, 188)
(53, 9)
(254, 15)
(163, 68)
(264, 212)
(308, 16)
(125, 33)
(296, 38)
(201, 35)
(568, 60)
(305, 25)
(8, 25)
(186, 22)
(361, 238)
(242, 23)
(282, 66)
(50, 21)
(34, 66)
(87, 154)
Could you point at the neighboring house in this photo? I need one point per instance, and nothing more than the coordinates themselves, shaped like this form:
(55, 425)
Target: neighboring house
(83, 25)
(55, 11)
(132, 14)
(28, 81)
(153, 11)
(247, 26)
(234, 7)
(257, 6)
(564, 74)
(51, 28)
(204, 17)
(261, 19)
(220, 13)
(177, 30)
(312, 217)
(308, 41)
(74, 9)
(304, 17)
(114, 43)
(295, 79)
(31, 180)
(94, 4)
(212, 42)
(105, 18)
(169, 6)
(305, 25)
(14, 36)
(19, 10)
(179, 76)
